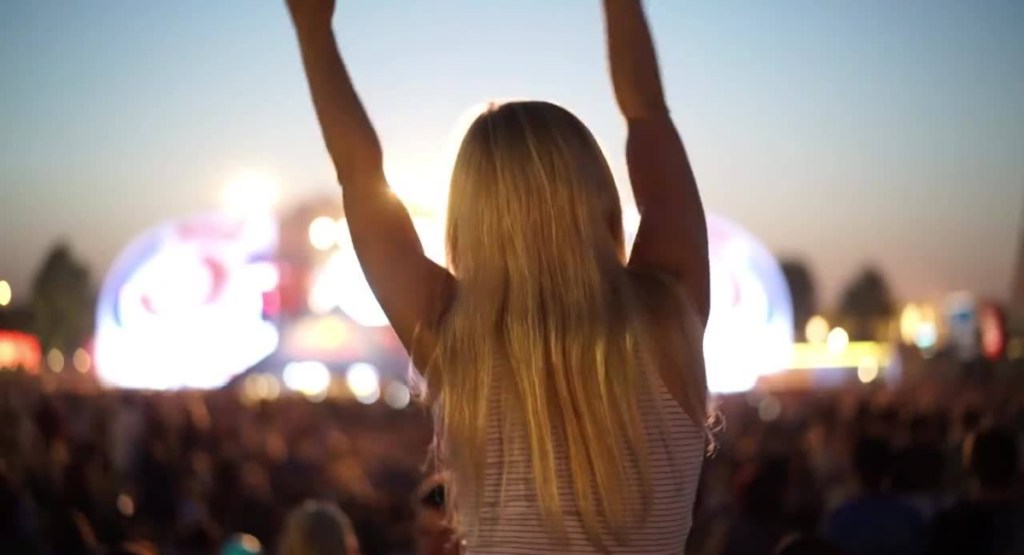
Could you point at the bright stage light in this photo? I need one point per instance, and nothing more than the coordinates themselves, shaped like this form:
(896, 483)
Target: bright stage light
(5, 293)
(341, 283)
(364, 382)
(749, 333)
(816, 330)
(322, 233)
(81, 360)
(867, 370)
(19, 350)
(183, 306)
(310, 378)
(55, 360)
(261, 387)
(251, 191)
(926, 336)
(750, 330)
(910, 319)
(816, 356)
(838, 340)
(397, 395)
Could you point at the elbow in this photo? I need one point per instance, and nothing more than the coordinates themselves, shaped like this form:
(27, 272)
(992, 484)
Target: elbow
(359, 165)
(638, 104)
(644, 111)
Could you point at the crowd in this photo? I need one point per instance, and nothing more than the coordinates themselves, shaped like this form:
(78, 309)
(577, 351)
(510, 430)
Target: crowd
(920, 469)
(926, 468)
(191, 473)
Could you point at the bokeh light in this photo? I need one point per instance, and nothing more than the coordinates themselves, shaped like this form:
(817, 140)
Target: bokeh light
(310, 378)
(926, 336)
(322, 233)
(910, 319)
(81, 360)
(397, 395)
(5, 293)
(261, 387)
(838, 340)
(816, 330)
(55, 360)
(20, 350)
(340, 283)
(251, 191)
(363, 381)
(867, 370)
(992, 328)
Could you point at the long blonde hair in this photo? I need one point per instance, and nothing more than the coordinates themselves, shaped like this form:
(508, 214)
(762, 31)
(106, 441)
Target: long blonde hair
(545, 321)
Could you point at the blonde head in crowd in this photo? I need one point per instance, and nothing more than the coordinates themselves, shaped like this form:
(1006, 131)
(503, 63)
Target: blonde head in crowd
(318, 528)
(547, 314)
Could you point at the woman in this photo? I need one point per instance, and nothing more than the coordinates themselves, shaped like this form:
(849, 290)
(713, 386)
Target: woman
(567, 384)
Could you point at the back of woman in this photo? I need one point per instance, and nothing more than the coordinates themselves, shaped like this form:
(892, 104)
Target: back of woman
(566, 378)
(507, 518)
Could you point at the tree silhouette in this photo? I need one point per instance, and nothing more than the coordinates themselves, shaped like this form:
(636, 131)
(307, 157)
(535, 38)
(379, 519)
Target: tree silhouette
(801, 289)
(63, 301)
(867, 305)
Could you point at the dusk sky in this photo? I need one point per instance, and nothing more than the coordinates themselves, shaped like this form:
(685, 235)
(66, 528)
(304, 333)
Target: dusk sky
(843, 132)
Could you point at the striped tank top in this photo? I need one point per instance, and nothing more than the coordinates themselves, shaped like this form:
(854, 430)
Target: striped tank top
(511, 524)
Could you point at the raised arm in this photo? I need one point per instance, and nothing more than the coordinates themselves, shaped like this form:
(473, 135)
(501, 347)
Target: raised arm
(672, 238)
(410, 288)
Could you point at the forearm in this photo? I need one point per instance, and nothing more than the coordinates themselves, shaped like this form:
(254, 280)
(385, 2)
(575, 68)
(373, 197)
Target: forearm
(347, 131)
(634, 65)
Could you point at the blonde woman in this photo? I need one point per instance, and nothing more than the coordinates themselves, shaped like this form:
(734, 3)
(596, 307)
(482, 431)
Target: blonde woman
(567, 380)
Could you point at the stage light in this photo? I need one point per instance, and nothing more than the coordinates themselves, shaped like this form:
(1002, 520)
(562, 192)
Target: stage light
(838, 340)
(816, 330)
(397, 395)
(310, 378)
(927, 336)
(183, 305)
(910, 320)
(5, 293)
(261, 387)
(55, 360)
(322, 233)
(867, 370)
(363, 380)
(81, 360)
(251, 191)
(750, 330)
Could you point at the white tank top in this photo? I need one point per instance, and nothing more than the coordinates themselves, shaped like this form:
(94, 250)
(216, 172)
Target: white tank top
(512, 525)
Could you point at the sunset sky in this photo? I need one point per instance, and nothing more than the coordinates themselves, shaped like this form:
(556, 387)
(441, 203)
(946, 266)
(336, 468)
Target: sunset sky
(842, 132)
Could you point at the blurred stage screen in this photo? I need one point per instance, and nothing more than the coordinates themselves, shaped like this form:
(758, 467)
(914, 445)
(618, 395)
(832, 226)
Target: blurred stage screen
(196, 302)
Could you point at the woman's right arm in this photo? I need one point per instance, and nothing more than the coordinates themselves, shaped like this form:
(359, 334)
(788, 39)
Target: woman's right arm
(672, 238)
(410, 288)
